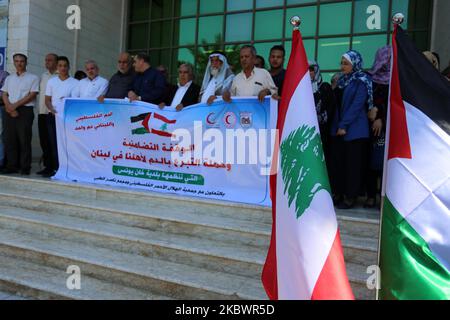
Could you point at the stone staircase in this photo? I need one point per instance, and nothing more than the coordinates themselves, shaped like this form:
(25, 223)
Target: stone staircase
(136, 245)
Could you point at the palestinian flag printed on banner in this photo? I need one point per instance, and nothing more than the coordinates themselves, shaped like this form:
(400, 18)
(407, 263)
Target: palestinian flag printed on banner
(305, 259)
(153, 123)
(415, 235)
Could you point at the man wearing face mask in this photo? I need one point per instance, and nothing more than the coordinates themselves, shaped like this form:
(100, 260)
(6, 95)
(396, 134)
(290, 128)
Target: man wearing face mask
(218, 78)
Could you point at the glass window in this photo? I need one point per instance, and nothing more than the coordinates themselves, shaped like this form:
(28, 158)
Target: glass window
(185, 8)
(214, 6)
(330, 51)
(266, 31)
(309, 20)
(161, 34)
(310, 48)
(162, 9)
(371, 16)
(184, 33)
(160, 57)
(335, 18)
(210, 29)
(289, 2)
(138, 36)
(184, 29)
(239, 27)
(140, 10)
(368, 46)
(234, 5)
(269, 3)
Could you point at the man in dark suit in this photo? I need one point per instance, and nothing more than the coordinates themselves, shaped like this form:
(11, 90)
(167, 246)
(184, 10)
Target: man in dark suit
(149, 85)
(186, 93)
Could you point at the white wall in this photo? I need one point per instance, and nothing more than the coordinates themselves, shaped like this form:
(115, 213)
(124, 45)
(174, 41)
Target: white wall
(18, 29)
(441, 32)
(38, 27)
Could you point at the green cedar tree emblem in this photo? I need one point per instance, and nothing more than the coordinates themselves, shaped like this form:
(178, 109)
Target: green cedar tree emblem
(303, 168)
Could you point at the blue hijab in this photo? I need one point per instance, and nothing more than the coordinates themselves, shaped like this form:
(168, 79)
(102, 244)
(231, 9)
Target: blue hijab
(357, 74)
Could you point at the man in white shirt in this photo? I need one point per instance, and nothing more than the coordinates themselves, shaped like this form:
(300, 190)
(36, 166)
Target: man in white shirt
(94, 86)
(252, 81)
(58, 88)
(19, 96)
(51, 62)
(186, 93)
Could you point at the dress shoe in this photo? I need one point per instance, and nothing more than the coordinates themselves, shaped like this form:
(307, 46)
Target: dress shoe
(9, 171)
(347, 205)
(49, 174)
(25, 172)
(370, 204)
(44, 172)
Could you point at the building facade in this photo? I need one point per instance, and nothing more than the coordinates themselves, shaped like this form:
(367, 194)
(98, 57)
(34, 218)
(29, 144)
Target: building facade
(175, 31)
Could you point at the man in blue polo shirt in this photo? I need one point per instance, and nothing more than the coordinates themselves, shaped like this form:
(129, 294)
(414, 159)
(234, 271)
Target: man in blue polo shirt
(149, 85)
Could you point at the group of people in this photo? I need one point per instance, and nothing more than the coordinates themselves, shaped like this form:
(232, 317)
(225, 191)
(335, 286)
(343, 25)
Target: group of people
(351, 111)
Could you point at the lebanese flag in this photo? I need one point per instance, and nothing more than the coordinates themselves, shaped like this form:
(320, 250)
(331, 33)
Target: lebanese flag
(161, 123)
(415, 233)
(305, 259)
(153, 123)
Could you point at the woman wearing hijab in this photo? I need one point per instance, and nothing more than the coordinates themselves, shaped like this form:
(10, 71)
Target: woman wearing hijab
(350, 130)
(381, 74)
(325, 105)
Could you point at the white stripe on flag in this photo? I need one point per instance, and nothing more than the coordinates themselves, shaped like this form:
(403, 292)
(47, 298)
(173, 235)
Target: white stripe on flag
(419, 187)
(303, 245)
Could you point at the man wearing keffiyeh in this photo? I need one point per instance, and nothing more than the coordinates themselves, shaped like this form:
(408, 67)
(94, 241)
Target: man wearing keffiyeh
(218, 78)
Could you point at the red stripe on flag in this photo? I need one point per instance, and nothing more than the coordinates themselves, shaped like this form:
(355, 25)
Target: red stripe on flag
(399, 144)
(333, 283)
(164, 119)
(162, 133)
(146, 122)
(297, 68)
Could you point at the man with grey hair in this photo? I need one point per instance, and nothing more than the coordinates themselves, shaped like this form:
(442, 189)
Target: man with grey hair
(218, 78)
(122, 82)
(186, 93)
(94, 86)
(252, 81)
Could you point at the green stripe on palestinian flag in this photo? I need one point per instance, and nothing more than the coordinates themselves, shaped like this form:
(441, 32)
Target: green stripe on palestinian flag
(415, 232)
(416, 273)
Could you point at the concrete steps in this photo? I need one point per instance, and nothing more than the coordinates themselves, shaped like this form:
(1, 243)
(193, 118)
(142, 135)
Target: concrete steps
(207, 249)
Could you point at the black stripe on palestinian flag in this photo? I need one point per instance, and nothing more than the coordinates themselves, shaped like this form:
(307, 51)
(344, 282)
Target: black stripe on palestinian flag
(421, 84)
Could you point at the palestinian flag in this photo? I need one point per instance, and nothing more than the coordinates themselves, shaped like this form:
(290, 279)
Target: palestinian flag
(415, 235)
(153, 123)
(305, 259)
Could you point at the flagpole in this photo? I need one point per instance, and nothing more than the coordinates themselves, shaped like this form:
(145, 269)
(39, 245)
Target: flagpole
(397, 20)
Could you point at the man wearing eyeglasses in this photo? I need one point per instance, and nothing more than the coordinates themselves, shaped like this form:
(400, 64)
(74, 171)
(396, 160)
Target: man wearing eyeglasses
(122, 82)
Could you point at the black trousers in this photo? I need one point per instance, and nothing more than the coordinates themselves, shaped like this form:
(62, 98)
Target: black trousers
(53, 143)
(44, 140)
(373, 178)
(18, 134)
(348, 166)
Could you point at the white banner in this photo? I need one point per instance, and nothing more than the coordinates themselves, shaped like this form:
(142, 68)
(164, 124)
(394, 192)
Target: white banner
(218, 152)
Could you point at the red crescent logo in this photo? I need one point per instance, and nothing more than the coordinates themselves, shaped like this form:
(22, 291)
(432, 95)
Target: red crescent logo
(208, 119)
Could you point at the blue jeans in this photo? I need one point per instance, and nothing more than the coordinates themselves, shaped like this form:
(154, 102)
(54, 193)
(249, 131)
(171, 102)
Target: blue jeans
(2, 148)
